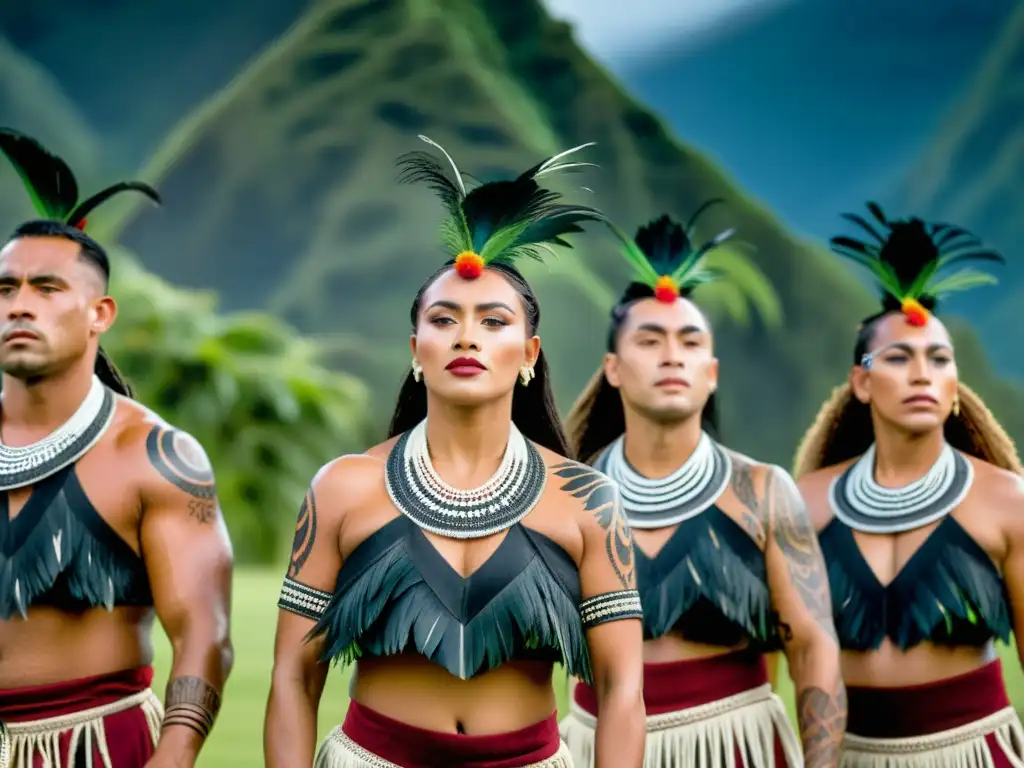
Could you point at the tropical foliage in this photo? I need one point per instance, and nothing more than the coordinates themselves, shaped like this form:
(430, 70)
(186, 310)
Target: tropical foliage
(245, 385)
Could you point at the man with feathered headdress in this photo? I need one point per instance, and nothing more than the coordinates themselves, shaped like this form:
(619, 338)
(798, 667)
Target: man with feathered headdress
(110, 515)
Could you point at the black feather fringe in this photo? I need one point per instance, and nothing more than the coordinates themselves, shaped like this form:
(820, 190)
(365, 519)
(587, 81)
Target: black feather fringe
(61, 562)
(949, 593)
(389, 608)
(714, 588)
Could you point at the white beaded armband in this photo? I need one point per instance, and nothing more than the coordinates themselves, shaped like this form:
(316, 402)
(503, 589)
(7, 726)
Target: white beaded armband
(610, 606)
(303, 600)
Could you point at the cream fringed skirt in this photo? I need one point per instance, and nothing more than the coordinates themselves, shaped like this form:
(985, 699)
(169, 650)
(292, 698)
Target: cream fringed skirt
(967, 746)
(369, 739)
(740, 730)
(712, 712)
(960, 722)
(57, 741)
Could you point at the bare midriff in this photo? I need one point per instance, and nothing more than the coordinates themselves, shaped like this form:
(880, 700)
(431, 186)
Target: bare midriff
(420, 693)
(55, 646)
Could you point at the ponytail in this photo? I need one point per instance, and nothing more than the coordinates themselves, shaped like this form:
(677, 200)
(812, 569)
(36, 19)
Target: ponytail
(108, 373)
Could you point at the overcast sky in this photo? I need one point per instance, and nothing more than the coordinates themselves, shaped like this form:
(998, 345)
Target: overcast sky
(613, 29)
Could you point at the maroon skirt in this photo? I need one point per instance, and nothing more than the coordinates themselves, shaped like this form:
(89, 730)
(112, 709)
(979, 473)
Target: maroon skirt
(681, 685)
(413, 747)
(129, 740)
(921, 710)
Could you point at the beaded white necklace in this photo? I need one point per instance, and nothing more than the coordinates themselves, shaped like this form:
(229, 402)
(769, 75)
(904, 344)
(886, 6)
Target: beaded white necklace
(27, 465)
(506, 498)
(665, 501)
(864, 505)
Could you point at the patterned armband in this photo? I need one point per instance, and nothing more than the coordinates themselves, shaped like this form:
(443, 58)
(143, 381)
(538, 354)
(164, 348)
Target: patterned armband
(610, 606)
(303, 600)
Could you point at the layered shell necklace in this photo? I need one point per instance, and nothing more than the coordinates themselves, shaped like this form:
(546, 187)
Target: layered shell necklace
(421, 495)
(27, 465)
(864, 505)
(666, 501)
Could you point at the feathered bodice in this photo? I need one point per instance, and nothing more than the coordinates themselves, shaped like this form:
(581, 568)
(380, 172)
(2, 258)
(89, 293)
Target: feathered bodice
(58, 551)
(709, 582)
(396, 593)
(948, 593)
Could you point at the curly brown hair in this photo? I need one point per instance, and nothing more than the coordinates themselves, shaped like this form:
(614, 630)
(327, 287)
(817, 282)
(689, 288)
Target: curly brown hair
(842, 431)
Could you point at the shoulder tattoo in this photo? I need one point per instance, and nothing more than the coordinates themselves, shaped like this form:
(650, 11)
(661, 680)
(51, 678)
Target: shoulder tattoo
(181, 460)
(601, 498)
(305, 535)
(752, 516)
(792, 531)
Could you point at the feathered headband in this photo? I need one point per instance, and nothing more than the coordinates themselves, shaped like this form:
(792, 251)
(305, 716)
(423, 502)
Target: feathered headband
(908, 260)
(664, 259)
(51, 185)
(502, 221)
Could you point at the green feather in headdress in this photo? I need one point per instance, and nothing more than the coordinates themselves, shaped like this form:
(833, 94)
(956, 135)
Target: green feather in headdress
(667, 265)
(908, 258)
(502, 221)
(51, 185)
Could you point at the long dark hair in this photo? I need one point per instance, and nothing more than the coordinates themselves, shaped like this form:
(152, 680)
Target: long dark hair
(597, 417)
(533, 407)
(93, 253)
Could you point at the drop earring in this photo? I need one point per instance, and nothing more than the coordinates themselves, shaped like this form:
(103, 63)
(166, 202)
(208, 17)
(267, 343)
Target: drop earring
(956, 405)
(526, 375)
(417, 370)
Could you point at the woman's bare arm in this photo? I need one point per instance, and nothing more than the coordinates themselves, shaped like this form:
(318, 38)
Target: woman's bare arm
(297, 681)
(611, 615)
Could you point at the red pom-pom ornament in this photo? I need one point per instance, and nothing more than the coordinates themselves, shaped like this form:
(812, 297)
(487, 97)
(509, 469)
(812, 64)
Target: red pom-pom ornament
(916, 314)
(469, 265)
(666, 289)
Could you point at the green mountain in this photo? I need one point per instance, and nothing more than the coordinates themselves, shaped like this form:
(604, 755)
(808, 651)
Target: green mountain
(281, 193)
(972, 173)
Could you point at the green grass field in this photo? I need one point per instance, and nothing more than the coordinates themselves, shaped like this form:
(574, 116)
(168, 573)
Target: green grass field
(237, 740)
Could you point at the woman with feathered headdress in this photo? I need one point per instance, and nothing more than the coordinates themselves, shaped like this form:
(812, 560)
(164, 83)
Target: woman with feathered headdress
(916, 492)
(723, 555)
(456, 562)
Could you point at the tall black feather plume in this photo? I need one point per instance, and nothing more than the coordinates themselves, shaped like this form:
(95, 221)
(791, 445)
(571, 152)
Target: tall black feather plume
(47, 178)
(52, 186)
(907, 256)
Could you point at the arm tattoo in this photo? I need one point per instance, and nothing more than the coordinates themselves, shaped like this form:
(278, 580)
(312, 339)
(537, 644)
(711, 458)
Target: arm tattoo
(601, 499)
(191, 702)
(822, 719)
(305, 535)
(179, 458)
(752, 517)
(793, 533)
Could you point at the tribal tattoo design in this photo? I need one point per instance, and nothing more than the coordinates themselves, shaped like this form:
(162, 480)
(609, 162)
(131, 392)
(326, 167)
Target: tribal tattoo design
(191, 702)
(601, 498)
(305, 535)
(181, 460)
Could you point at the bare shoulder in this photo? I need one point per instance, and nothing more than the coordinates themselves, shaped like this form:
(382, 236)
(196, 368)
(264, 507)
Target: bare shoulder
(745, 499)
(998, 492)
(593, 498)
(584, 489)
(347, 481)
(815, 487)
(169, 463)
